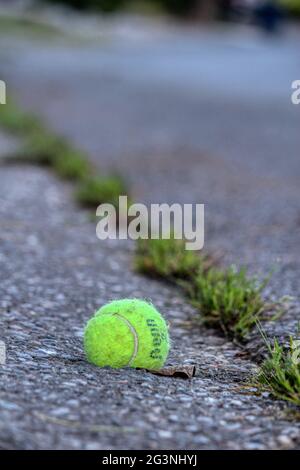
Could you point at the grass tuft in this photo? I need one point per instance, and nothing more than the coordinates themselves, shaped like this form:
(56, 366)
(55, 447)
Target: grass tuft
(41, 146)
(228, 300)
(18, 25)
(167, 259)
(71, 164)
(98, 190)
(44, 148)
(280, 372)
(17, 122)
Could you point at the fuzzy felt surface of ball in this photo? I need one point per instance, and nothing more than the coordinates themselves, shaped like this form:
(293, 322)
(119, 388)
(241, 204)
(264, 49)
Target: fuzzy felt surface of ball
(127, 333)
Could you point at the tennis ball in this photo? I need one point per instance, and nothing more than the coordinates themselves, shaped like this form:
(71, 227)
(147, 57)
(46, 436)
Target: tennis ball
(127, 333)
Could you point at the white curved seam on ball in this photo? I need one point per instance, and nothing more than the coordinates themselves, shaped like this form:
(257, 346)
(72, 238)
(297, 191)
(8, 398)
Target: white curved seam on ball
(135, 337)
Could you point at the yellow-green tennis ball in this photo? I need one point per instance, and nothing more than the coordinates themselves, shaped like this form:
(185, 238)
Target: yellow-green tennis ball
(127, 333)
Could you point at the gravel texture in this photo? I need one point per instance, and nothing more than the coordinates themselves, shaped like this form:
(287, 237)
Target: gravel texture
(54, 274)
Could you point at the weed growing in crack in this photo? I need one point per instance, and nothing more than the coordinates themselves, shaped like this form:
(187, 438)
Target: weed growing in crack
(280, 371)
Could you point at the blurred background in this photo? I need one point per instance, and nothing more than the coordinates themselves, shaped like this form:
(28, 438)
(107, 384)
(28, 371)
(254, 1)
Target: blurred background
(190, 100)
